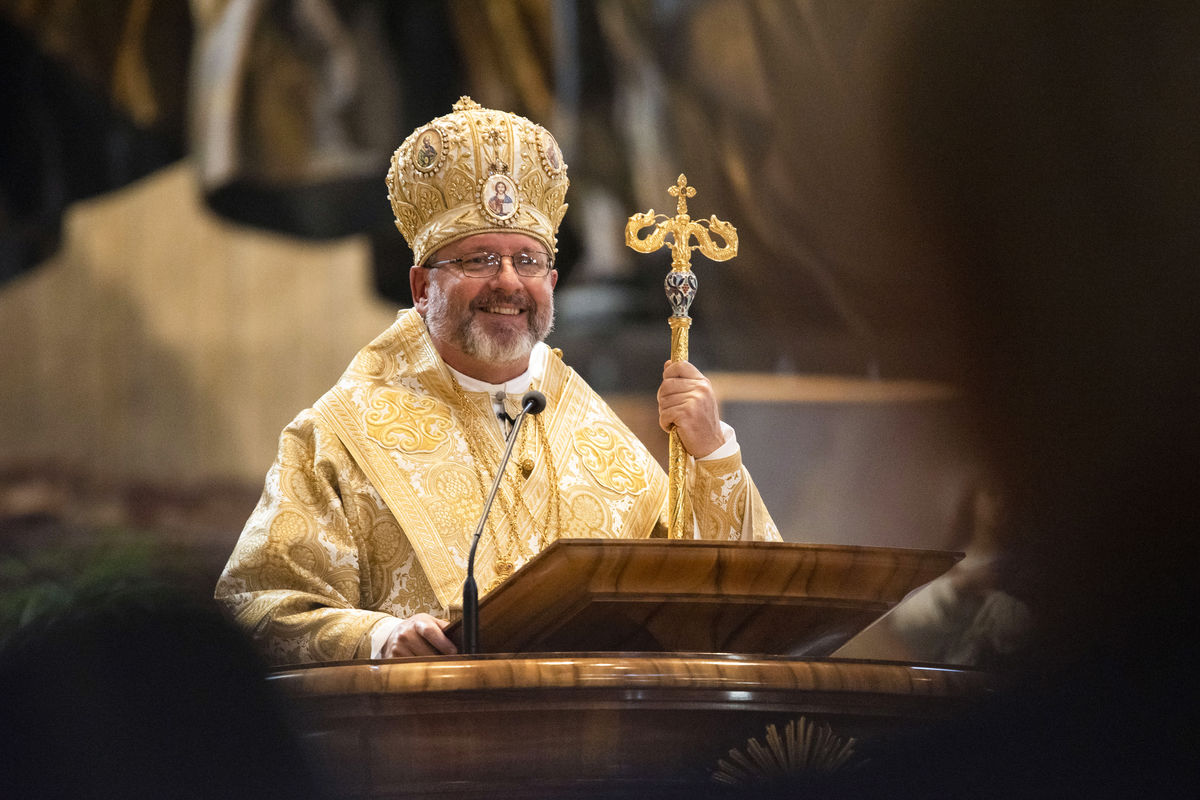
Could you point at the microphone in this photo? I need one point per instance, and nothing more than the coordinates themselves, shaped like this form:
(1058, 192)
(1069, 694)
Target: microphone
(532, 402)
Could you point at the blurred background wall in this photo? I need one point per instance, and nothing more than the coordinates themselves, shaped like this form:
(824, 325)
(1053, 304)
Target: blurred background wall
(197, 240)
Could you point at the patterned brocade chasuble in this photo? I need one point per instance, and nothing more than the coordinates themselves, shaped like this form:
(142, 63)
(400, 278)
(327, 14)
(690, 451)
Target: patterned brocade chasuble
(396, 410)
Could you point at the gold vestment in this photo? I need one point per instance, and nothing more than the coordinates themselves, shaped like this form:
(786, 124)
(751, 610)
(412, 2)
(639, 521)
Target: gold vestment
(369, 508)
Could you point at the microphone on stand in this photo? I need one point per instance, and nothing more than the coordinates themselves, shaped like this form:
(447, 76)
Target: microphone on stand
(533, 402)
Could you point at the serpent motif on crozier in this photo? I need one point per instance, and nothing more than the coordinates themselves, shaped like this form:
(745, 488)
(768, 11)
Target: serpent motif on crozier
(402, 420)
(611, 461)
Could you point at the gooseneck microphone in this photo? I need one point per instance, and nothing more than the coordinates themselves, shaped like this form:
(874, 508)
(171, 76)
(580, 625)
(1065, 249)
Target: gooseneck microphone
(533, 402)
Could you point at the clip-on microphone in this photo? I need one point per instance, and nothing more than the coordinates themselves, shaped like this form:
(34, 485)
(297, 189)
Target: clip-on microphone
(533, 402)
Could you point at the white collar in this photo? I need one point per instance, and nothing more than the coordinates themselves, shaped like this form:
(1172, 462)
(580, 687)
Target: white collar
(518, 385)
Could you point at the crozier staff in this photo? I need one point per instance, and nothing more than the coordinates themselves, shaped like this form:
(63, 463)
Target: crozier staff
(358, 545)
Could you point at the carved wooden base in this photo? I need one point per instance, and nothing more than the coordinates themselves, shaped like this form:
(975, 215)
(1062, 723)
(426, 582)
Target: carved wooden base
(590, 725)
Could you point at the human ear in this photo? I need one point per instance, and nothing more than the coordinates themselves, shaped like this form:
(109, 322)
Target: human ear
(418, 282)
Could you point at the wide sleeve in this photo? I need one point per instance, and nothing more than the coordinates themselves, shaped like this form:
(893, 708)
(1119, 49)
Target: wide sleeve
(726, 503)
(320, 562)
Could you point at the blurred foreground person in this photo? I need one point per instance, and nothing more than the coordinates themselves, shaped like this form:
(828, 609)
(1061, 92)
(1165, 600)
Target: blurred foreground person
(139, 692)
(974, 615)
(1053, 146)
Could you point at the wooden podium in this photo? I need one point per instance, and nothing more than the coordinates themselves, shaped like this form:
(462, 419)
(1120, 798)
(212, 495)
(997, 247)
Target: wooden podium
(632, 669)
(767, 598)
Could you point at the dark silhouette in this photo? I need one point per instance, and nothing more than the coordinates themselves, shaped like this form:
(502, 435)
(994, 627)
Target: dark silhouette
(142, 692)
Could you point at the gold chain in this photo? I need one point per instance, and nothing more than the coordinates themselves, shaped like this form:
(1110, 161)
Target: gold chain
(554, 511)
(510, 549)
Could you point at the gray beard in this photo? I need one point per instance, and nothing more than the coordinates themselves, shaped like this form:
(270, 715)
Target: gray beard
(458, 327)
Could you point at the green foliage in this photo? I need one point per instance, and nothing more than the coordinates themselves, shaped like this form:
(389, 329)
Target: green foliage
(40, 584)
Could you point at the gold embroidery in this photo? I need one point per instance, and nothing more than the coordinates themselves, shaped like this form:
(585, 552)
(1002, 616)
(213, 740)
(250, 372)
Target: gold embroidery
(510, 549)
(612, 462)
(406, 421)
(413, 593)
(455, 500)
(289, 545)
(288, 529)
(587, 517)
(385, 538)
(301, 488)
(376, 361)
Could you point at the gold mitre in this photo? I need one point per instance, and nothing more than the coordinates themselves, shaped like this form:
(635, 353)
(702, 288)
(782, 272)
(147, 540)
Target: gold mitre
(477, 170)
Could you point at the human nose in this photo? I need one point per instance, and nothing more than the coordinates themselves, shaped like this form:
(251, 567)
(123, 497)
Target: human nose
(507, 276)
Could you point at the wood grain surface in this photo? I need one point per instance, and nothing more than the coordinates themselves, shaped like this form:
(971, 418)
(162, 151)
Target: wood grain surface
(588, 725)
(773, 598)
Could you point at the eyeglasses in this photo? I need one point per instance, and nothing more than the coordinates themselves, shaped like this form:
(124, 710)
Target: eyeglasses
(485, 264)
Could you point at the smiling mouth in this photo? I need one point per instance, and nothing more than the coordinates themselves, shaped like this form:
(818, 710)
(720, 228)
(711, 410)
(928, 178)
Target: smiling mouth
(508, 311)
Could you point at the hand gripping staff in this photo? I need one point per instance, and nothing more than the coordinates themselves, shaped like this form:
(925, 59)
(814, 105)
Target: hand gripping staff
(681, 285)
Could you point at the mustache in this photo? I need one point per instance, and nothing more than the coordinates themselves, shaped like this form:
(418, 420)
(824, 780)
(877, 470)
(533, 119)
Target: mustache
(500, 297)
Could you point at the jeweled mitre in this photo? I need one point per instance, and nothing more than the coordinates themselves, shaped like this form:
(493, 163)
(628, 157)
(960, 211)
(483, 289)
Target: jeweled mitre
(477, 170)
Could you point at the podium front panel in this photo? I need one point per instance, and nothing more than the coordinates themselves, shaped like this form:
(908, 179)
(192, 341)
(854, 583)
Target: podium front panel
(594, 724)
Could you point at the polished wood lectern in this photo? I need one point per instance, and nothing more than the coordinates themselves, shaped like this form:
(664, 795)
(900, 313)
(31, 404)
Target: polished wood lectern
(632, 669)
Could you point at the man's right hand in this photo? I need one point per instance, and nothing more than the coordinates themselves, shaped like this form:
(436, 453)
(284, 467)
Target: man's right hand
(418, 635)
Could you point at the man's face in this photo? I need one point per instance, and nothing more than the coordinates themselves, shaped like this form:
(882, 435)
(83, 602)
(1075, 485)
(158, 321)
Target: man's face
(497, 319)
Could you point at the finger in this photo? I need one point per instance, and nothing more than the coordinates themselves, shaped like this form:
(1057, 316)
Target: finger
(673, 391)
(671, 408)
(691, 402)
(681, 369)
(430, 630)
(677, 386)
(439, 641)
(673, 387)
(410, 640)
(412, 643)
(443, 624)
(684, 416)
(680, 410)
(674, 398)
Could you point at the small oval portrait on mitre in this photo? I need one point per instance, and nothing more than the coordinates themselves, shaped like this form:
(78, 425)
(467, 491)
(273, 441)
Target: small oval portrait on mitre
(551, 155)
(427, 150)
(498, 197)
